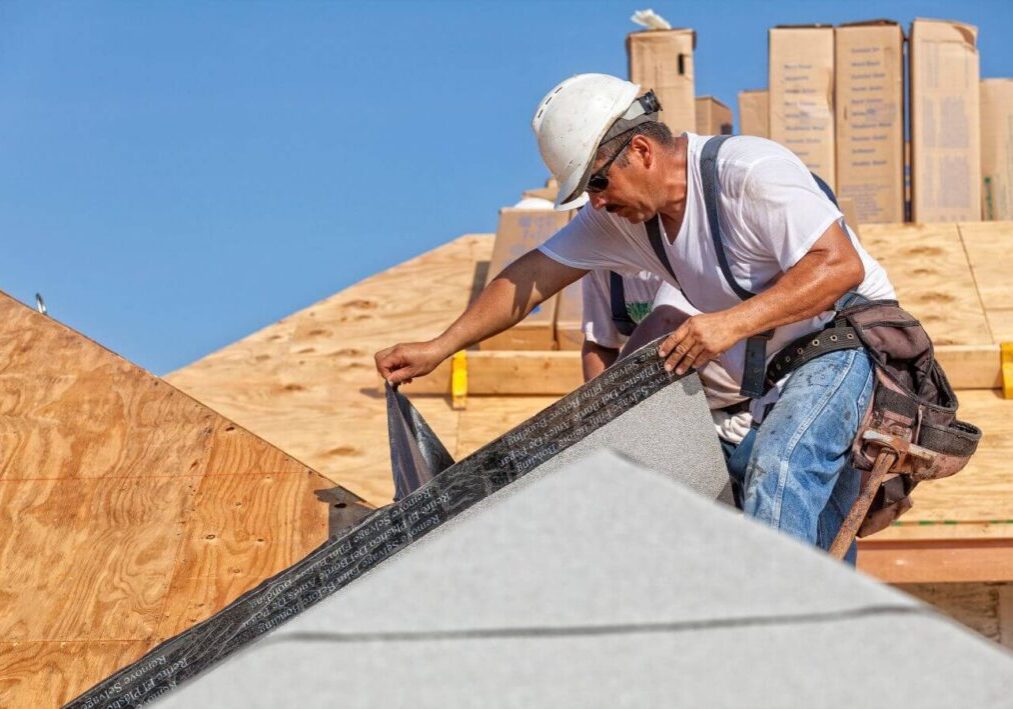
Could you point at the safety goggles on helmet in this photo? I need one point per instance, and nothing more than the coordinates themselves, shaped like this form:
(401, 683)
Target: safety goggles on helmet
(599, 181)
(642, 110)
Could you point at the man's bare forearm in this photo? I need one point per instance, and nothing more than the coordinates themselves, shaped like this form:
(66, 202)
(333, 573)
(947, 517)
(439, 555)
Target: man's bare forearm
(809, 288)
(508, 299)
(494, 311)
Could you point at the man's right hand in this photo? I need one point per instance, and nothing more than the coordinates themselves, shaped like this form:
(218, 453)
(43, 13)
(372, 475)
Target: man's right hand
(400, 363)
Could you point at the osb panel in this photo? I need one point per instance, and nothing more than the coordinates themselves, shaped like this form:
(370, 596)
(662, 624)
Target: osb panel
(1000, 320)
(49, 674)
(933, 279)
(309, 386)
(88, 559)
(489, 417)
(988, 249)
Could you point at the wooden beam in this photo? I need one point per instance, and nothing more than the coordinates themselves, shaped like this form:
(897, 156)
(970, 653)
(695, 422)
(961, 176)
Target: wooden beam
(500, 372)
(531, 372)
(937, 560)
(971, 366)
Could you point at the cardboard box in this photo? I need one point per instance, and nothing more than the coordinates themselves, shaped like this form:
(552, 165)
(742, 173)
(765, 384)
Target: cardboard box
(519, 231)
(570, 318)
(662, 60)
(869, 98)
(850, 215)
(997, 149)
(754, 113)
(945, 122)
(801, 85)
(712, 117)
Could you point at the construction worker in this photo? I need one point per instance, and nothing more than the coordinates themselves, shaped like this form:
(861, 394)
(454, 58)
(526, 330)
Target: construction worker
(768, 264)
(623, 312)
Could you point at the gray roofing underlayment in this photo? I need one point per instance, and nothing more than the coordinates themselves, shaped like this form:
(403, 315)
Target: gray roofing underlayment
(603, 583)
(546, 571)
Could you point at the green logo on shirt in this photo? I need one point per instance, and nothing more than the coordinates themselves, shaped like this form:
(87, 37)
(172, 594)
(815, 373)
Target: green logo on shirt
(638, 311)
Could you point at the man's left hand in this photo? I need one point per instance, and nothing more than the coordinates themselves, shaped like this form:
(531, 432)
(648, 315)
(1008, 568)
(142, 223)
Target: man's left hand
(699, 340)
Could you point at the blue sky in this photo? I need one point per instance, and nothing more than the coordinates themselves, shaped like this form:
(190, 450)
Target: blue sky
(174, 176)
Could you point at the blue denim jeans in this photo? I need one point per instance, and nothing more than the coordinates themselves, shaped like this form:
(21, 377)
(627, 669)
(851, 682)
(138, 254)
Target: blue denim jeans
(794, 471)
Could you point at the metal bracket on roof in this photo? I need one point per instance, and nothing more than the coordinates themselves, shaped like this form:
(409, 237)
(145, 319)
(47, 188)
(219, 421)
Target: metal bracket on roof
(459, 380)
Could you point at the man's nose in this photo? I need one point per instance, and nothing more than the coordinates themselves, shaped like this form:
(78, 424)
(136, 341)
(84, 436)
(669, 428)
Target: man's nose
(597, 200)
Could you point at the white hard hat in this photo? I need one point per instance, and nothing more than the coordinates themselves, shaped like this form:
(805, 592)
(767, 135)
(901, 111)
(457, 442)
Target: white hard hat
(576, 117)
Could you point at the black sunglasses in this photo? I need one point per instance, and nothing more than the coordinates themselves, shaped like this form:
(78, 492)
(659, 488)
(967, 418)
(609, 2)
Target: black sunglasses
(599, 182)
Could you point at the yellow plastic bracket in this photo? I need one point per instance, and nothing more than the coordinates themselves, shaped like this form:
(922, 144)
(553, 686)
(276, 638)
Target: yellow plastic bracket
(459, 380)
(1006, 350)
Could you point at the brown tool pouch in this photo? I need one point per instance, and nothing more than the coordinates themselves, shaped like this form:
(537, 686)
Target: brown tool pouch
(912, 401)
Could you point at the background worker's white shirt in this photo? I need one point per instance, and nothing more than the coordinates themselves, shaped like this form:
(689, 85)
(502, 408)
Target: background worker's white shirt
(638, 293)
(643, 292)
(771, 213)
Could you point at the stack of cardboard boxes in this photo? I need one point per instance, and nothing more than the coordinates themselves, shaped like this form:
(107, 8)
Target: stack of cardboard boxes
(836, 98)
(869, 118)
(997, 149)
(945, 122)
(801, 99)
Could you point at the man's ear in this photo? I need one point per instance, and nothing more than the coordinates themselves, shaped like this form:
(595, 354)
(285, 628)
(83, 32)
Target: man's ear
(643, 150)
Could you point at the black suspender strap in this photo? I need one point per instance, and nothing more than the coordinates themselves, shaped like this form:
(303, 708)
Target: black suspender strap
(620, 315)
(825, 188)
(711, 188)
(754, 372)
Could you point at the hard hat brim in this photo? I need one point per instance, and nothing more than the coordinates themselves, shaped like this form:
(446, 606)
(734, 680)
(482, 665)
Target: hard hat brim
(571, 183)
(575, 203)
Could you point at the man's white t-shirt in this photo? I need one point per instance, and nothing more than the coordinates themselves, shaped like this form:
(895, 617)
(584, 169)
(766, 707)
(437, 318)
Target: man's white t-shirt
(771, 212)
(642, 292)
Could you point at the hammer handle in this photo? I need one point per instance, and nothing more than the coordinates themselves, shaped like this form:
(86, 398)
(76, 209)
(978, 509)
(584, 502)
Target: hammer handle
(848, 530)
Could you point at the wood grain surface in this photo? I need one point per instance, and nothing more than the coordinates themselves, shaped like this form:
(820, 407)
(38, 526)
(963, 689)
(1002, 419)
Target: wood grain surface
(988, 250)
(926, 262)
(123, 499)
(44, 674)
(307, 383)
(934, 281)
